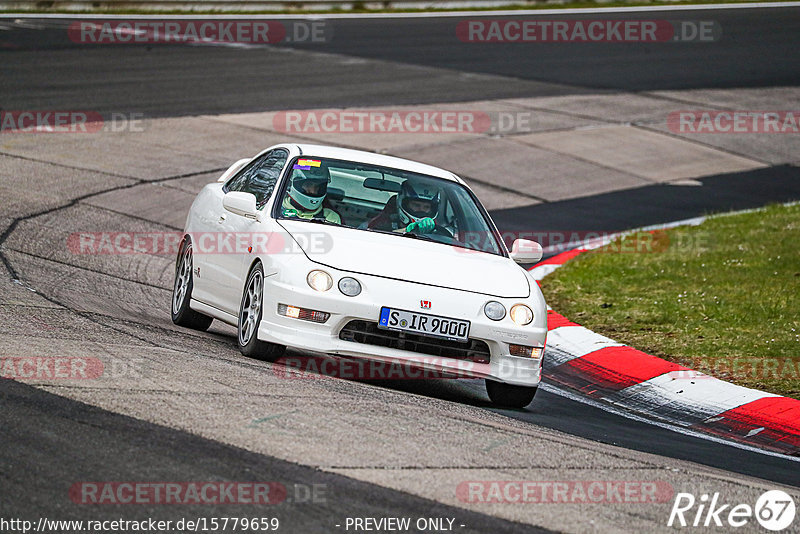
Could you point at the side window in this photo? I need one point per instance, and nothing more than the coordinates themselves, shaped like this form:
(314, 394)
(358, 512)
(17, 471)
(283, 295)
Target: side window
(260, 176)
(237, 182)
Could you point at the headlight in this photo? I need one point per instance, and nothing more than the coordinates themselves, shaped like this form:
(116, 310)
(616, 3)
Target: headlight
(319, 280)
(494, 310)
(521, 314)
(349, 286)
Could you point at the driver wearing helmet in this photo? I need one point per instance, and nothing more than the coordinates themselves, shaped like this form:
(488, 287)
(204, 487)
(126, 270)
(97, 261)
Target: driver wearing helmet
(417, 208)
(307, 190)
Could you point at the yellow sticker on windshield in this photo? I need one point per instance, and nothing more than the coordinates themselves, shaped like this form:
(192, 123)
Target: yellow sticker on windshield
(308, 162)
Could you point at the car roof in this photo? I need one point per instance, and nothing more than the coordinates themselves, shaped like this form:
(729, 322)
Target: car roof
(371, 158)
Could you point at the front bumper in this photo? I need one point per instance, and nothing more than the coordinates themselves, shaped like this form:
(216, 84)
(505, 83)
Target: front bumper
(378, 292)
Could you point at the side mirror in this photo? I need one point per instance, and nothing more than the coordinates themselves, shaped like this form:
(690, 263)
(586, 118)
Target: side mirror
(525, 251)
(233, 169)
(241, 203)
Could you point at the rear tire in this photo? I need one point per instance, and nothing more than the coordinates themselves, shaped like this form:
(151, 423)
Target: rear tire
(250, 313)
(182, 314)
(510, 396)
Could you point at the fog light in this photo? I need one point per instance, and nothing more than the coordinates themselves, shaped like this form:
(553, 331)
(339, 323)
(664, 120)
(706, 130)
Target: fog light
(525, 352)
(494, 310)
(319, 280)
(302, 313)
(349, 286)
(521, 314)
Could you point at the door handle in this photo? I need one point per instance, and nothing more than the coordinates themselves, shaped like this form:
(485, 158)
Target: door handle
(221, 218)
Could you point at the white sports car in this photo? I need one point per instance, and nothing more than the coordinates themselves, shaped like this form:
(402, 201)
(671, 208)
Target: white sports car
(342, 252)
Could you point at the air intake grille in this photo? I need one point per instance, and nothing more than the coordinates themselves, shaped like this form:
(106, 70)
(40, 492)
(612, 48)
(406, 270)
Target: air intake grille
(368, 333)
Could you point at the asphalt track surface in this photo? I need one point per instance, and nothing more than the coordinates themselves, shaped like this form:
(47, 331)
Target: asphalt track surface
(654, 204)
(39, 427)
(43, 70)
(418, 61)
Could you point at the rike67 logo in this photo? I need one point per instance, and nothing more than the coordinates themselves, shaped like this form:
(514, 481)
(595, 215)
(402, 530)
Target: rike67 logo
(774, 510)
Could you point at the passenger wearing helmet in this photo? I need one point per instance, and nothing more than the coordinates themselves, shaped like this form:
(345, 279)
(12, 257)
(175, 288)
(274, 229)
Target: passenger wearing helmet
(308, 187)
(417, 205)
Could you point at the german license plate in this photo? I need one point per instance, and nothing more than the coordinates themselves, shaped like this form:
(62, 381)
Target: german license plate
(424, 324)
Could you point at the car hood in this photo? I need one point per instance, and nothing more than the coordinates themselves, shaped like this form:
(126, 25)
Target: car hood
(413, 260)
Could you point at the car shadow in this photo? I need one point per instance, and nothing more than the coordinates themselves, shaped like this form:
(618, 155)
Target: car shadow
(397, 377)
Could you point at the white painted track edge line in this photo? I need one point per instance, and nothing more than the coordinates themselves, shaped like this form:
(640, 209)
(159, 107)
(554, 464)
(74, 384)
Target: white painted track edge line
(661, 424)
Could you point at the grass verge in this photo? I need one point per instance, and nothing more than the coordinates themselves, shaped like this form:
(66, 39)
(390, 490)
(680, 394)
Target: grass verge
(722, 298)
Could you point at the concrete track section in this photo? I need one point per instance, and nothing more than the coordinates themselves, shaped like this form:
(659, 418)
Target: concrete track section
(388, 61)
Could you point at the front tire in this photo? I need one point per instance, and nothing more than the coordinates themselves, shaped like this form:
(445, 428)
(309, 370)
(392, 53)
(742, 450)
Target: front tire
(250, 313)
(182, 314)
(509, 396)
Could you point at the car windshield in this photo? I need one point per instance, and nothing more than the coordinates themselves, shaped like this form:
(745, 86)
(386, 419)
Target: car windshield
(380, 199)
